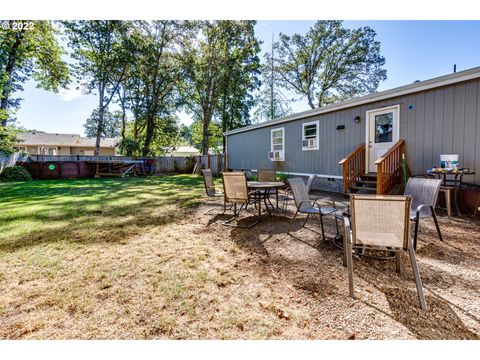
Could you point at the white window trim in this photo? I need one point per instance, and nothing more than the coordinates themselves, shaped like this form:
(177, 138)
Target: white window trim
(317, 124)
(47, 147)
(283, 143)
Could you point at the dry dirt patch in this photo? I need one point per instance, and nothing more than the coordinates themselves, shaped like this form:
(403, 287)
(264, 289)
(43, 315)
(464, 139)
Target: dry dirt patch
(197, 279)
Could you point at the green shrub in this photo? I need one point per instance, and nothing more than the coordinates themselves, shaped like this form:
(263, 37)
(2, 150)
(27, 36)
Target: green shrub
(15, 173)
(282, 177)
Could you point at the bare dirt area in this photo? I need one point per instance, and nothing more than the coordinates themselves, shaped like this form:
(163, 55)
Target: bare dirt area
(197, 279)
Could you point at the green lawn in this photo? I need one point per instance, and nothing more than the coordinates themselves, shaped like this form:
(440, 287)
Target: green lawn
(86, 210)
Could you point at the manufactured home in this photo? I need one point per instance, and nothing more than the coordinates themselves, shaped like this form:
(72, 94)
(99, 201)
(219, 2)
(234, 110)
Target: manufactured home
(373, 135)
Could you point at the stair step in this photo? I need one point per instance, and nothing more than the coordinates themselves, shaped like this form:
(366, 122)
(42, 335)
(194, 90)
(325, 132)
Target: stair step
(366, 182)
(361, 189)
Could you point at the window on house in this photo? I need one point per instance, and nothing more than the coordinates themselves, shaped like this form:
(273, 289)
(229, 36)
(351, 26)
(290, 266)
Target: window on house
(48, 150)
(310, 136)
(277, 145)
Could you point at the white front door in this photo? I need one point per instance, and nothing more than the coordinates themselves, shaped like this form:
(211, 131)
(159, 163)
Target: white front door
(382, 133)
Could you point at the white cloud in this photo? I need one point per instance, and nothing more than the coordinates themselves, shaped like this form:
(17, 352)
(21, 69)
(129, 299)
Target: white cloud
(71, 94)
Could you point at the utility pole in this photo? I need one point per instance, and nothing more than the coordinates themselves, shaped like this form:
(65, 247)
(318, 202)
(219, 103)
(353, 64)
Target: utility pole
(272, 108)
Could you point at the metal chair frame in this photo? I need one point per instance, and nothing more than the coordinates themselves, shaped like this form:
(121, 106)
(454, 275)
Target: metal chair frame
(407, 245)
(250, 199)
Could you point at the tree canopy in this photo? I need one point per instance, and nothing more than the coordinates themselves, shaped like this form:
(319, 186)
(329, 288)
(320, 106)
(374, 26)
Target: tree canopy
(103, 54)
(221, 68)
(29, 52)
(151, 70)
(110, 125)
(330, 63)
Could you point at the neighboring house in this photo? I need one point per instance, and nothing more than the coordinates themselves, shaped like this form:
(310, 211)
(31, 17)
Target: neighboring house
(184, 151)
(433, 117)
(39, 143)
(192, 151)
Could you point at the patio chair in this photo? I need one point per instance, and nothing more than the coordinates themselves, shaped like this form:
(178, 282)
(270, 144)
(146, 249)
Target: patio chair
(424, 193)
(288, 192)
(381, 223)
(210, 189)
(305, 205)
(310, 181)
(235, 192)
(267, 175)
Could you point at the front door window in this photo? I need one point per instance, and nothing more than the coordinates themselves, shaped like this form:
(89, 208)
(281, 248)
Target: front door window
(382, 133)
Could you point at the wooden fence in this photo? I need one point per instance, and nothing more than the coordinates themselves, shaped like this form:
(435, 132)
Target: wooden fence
(188, 164)
(76, 158)
(161, 164)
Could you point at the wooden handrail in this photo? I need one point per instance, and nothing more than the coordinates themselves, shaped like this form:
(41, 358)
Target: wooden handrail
(353, 167)
(389, 169)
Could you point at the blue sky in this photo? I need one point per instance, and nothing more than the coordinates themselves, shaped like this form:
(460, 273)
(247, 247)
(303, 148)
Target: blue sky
(414, 50)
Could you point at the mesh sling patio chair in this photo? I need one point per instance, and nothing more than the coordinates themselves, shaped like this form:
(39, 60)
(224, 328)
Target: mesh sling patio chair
(381, 223)
(269, 175)
(235, 192)
(424, 193)
(210, 189)
(288, 192)
(305, 205)
(310, 181)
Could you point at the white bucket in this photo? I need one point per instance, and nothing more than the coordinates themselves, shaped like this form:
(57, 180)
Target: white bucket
(448, 162)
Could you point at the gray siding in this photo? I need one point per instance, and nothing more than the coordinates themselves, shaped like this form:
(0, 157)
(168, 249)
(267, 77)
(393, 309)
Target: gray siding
(438, 121)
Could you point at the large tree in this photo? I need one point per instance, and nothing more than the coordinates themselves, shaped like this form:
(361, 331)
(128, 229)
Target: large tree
(272, 101)
(330, 63)
(220, 71)
(111, 124)
(103, 54)
(239, 75)
(150, 90)
(28, 51)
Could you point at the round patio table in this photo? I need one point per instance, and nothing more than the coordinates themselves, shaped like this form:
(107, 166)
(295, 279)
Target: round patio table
(264, 188)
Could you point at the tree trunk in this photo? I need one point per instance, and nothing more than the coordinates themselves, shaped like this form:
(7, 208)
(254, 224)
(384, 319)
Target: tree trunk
(310, 101)
(101, 111)
(124, 115)
(124, 120)
(224, 120)
(12, 57)
(207, 117)
(148, 134)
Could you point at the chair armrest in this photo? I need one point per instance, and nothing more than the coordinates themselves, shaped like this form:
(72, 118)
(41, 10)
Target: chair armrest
(420, 207)
(348, 231)
(315, 202)
(304, 201)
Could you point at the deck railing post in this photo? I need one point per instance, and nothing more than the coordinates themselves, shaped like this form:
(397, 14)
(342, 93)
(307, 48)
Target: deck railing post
(353, 166)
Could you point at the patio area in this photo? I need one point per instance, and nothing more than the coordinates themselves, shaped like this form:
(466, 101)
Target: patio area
(315, 284)
(160, 268)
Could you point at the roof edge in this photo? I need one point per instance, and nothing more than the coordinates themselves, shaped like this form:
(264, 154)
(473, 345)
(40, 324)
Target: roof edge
(443, 80)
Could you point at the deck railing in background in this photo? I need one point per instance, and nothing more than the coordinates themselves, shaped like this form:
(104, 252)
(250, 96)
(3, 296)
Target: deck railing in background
(161, 164)
(353, 166)
(389, 168)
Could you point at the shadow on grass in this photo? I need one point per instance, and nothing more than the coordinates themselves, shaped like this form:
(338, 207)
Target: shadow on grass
(92, 210)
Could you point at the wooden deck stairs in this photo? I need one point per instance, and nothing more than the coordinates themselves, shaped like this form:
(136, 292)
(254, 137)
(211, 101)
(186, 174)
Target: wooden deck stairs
(387, 180)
